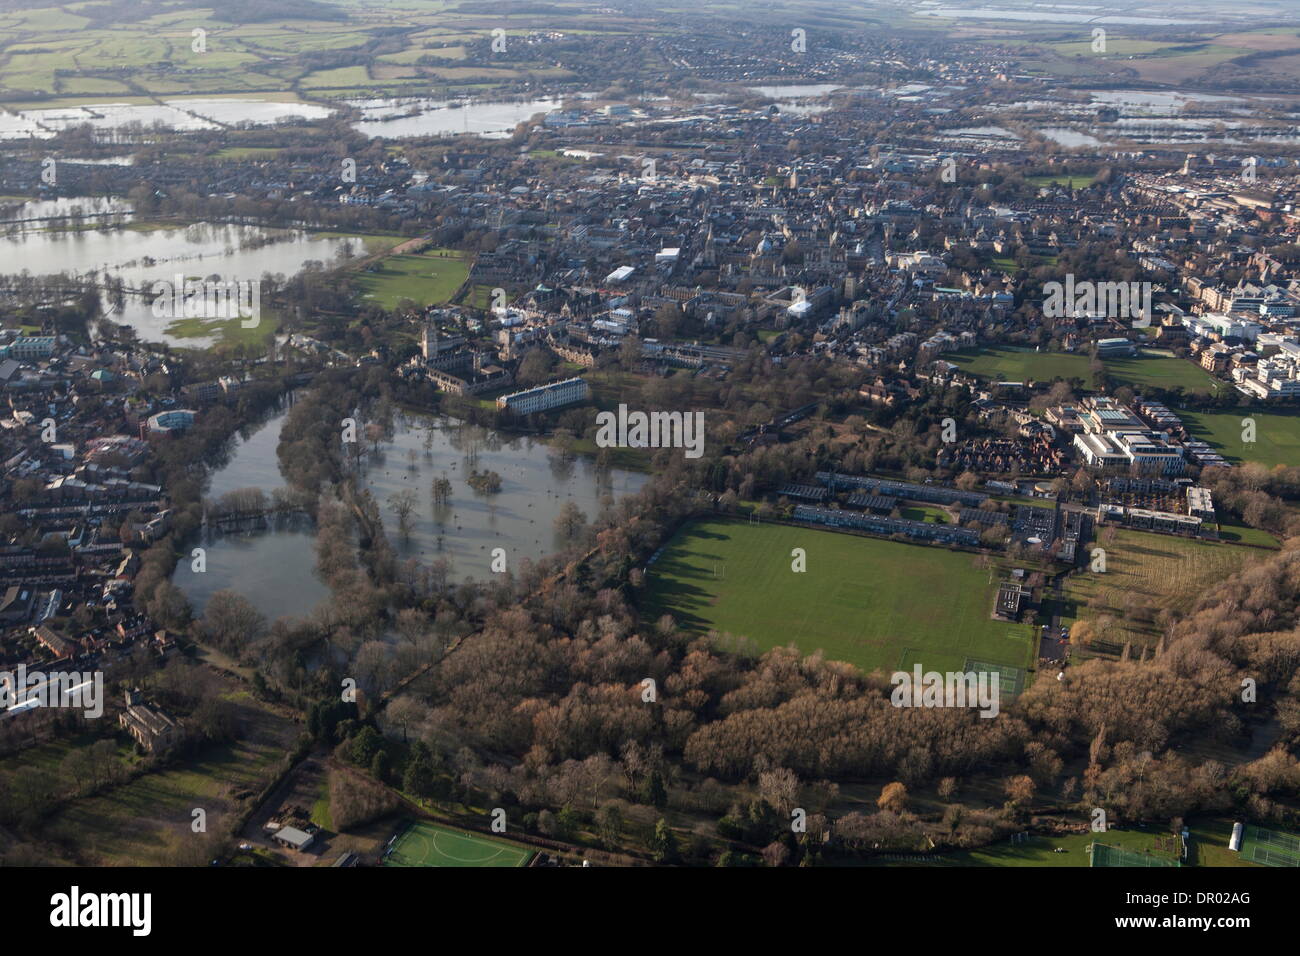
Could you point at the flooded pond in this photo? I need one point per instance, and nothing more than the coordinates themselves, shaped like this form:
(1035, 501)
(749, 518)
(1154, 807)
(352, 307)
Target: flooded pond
(535, 484)
(275, 569)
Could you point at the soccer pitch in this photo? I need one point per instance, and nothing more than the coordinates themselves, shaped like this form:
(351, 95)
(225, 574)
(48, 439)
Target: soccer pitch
(428, 844)
(869, 601)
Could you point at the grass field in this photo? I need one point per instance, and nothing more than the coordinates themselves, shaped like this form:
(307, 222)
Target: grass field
(427, 278)
(1277, 435)
(429, 844)
(1075, 850)
(925, 513)
(1145, 568)
(1152, 368)
(869, 601)
(1019, 365)
(1156, 370)
(1270, 847)
(146, 821)
(1106, 855)
(1073, 182)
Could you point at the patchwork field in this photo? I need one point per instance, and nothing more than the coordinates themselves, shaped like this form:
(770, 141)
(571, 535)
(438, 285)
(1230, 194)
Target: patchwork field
(1277, 435)
(1145, 570)
(54, 51)
(869, 601)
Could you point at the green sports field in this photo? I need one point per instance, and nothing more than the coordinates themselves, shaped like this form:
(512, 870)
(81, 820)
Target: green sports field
(1007, 364)
(1155, 369)
(872, 602)
(428, 844)
(1103, 855)
(427, 278)
(1270, 847)
(1277, 435)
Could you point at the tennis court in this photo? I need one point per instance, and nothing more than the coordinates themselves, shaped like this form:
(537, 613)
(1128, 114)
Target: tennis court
(1103, 855)
(428, 844)
(1270, 847)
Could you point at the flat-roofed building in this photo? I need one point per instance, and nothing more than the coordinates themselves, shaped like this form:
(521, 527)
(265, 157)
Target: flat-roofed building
(293, 838)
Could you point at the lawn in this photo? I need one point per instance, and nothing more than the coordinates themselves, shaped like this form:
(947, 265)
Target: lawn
(869, 601)
(428, 278)
(1145, 568)
(1156, 370)
(147, 820)
(429, 844)
(929, 513)
(225, 331)
(1076, 181)
(1005, 364)
(1277, 435)
(1039, 850)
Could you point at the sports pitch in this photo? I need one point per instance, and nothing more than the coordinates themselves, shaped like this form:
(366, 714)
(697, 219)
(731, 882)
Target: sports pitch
(1006, 363)
(1103, 855)
(1277, 434)
(872, 602)
(428, 844)
(1154, 368)
(1270, 847)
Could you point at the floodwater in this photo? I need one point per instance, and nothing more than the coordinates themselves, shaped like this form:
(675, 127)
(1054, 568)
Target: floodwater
(535, 484)
(120, 122)
(405, 118)
(275, 569)
(141, 258)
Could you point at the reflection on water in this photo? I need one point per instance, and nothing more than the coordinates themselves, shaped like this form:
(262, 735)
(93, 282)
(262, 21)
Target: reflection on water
(123, 122)
(535, 484)
(275, 569)
(141, 258)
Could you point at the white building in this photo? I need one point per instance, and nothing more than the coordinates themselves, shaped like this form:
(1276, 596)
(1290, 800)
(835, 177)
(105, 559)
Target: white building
(545, 397)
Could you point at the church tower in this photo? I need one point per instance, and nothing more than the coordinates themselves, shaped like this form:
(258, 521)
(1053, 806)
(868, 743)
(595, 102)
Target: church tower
(429, 342)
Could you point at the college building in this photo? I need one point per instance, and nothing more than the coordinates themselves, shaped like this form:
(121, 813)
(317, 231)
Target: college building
(545, 397)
